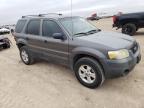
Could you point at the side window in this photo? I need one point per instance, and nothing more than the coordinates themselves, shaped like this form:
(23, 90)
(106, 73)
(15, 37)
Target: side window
(20, 25)
(49, 28)
(33, 27)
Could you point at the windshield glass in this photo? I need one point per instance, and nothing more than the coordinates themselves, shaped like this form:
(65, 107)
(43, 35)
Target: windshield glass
(78, 26)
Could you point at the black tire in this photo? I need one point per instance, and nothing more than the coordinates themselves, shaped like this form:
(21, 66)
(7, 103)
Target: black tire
(7, 45)
(129, 29)
(97, 69)
(30, 59)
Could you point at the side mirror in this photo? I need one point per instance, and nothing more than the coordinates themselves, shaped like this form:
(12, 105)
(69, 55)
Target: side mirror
(58, 36)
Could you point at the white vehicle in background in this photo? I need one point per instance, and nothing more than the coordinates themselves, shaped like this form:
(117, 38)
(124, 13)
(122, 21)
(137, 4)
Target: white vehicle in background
(4, 31)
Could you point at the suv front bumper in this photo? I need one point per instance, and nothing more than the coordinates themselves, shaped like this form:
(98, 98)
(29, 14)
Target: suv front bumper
(117, 68)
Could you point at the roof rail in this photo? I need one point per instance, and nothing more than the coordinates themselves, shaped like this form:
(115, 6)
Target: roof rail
(31, 16)
(42, 15)
(59, 14)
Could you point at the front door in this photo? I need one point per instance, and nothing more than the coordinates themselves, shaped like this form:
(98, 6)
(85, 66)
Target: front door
(54, 49)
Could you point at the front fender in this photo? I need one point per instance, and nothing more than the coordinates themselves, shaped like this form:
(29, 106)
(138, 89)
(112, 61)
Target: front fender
(86, 51)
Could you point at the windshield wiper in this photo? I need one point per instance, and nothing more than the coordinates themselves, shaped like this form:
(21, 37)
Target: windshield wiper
(89, 32)
(82, 33)
(92, 31)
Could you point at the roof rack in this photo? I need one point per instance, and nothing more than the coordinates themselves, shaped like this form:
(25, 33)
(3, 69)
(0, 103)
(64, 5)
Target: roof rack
(59, 14)
(31, 16)
(42, 15)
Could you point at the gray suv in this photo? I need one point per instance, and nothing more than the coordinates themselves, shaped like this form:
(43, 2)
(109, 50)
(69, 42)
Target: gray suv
(94, 55)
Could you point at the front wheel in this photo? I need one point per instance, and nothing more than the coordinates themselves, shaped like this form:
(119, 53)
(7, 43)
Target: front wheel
(89, 72)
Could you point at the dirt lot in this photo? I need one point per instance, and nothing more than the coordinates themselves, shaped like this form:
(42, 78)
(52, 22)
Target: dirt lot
(46, 85)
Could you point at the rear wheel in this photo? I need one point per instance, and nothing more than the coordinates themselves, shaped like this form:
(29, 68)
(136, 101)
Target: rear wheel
(129, 29)
(89, 72)
(26, 56)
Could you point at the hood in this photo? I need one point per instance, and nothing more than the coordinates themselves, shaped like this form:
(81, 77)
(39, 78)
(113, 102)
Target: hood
(110, 39)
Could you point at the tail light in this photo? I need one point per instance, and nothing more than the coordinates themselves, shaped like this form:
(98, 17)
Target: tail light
(114, 19)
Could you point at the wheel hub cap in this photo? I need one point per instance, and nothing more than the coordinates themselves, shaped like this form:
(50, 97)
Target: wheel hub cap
(24, 56)
(87, 74)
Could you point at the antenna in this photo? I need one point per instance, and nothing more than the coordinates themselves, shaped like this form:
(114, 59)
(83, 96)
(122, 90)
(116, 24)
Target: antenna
(71, 17)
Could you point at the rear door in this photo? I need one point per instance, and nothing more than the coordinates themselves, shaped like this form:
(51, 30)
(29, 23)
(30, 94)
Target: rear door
(54, 49)
(33, 37)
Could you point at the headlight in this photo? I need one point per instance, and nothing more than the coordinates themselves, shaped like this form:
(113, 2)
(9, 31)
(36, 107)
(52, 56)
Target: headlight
(120, 54)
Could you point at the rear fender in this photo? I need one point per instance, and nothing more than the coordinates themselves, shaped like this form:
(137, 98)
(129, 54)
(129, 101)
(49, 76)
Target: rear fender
(21, 41)
(129, 20)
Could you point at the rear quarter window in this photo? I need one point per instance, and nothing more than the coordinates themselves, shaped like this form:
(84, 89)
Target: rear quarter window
(20, 25)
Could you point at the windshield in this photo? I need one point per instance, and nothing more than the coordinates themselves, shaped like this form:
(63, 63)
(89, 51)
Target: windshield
(78, 26)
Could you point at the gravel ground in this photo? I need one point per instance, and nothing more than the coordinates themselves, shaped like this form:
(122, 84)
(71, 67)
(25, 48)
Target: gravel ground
(46, 85)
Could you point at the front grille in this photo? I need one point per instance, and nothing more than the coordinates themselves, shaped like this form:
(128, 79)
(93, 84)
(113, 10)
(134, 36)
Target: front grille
(134, 48)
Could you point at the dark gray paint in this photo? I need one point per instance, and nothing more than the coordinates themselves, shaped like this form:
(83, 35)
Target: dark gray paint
(96, 45)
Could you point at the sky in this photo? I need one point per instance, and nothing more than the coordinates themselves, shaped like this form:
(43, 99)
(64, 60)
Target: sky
(12, 10)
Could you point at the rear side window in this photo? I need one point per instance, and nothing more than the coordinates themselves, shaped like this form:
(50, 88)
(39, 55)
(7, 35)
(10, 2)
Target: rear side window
(20, 25)
(49, 28)
(33, 27)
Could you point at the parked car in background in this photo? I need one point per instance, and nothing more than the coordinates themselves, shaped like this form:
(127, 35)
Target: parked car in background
(4, 42)
(93, 17)
(4, 31)
(130, 23)
(94, 55)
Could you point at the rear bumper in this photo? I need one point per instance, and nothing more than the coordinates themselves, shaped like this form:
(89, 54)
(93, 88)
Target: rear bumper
(117, 68)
